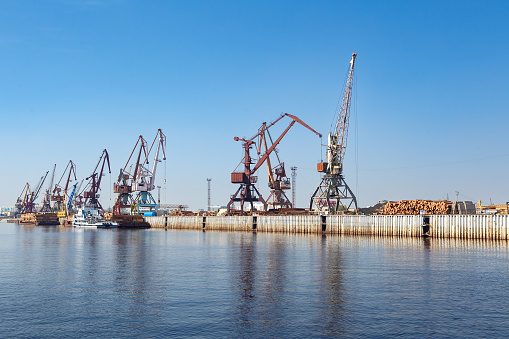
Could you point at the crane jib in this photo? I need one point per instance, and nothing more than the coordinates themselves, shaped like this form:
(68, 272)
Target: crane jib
(71, 196)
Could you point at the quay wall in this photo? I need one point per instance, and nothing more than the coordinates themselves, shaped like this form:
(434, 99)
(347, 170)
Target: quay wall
(494, 227)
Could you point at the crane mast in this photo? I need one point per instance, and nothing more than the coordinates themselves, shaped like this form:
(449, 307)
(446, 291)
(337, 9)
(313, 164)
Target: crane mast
(333, 194)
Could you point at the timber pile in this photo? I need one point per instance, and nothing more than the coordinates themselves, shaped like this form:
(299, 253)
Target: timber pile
(285, 211)
(414, 207)
(182, 214)
(238, 212)
(206, 214)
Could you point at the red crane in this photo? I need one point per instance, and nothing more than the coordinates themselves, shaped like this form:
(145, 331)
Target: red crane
(27, 204)
(92, 188)
(124, 184)
(247, 191)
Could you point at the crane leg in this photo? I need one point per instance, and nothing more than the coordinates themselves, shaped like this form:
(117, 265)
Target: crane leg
(232, 199)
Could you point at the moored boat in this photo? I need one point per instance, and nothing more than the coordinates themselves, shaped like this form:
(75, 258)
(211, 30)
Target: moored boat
(90, 217)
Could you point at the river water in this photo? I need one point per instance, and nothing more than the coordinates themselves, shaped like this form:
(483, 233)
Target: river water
(66, 282)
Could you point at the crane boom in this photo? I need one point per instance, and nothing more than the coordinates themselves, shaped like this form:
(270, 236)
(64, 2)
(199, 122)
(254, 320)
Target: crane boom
(267, 153)
(71, 196)
(161, 145)
(39, 186)
(337, 139)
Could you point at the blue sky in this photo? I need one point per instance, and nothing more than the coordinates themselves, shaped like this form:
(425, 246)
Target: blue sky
(429, 115)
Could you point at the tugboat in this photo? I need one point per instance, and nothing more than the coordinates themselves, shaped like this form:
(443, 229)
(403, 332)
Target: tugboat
(91, 217)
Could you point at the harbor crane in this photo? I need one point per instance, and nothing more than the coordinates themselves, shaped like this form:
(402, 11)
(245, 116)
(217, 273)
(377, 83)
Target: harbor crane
(59, 194)
(247, 192)
(142, 181)
(333, 194)
(27, 204)
(123, 186)
(18, 206)
(93, 186)
(46, 202)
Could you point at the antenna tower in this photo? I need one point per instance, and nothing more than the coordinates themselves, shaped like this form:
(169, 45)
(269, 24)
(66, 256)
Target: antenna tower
(208, 202)
(294, 183)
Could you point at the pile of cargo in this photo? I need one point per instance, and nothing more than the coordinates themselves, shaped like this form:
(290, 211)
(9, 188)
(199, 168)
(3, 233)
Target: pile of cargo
(205, 214)
(238, 212)
(181, 213)
(414, 207)
(285, 211)
(39, 219)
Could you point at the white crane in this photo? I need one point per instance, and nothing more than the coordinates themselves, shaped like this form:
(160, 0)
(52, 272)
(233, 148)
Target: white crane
(333, 194)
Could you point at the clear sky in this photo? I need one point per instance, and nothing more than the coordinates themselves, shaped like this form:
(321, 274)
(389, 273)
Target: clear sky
(430, 111)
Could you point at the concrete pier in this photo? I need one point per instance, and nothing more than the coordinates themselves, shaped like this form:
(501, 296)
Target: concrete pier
(493, 227)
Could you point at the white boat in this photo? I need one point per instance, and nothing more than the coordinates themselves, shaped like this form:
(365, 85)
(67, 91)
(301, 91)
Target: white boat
(91, 217)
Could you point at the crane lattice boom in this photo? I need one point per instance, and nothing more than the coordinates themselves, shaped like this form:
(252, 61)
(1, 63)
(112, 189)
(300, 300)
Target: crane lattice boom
(338, 138)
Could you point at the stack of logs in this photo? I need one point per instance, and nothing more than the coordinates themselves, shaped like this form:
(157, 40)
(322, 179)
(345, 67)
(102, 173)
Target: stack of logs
(414, 207)
(285, 211)
(182, 213)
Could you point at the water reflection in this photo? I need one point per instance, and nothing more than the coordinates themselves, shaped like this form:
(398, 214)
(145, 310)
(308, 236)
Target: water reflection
(243, 280)
(132, 268)
(332, 278)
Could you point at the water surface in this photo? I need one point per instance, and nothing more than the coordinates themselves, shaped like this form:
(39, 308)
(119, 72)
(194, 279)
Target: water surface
(66, 282)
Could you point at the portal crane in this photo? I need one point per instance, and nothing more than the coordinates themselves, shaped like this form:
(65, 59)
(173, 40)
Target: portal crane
(124, 184)
(60, 194)
(333, 194)
(144, 179)
(92, 188)
(46, 202)
(28, 203)
(20, 202)
(247, 191)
